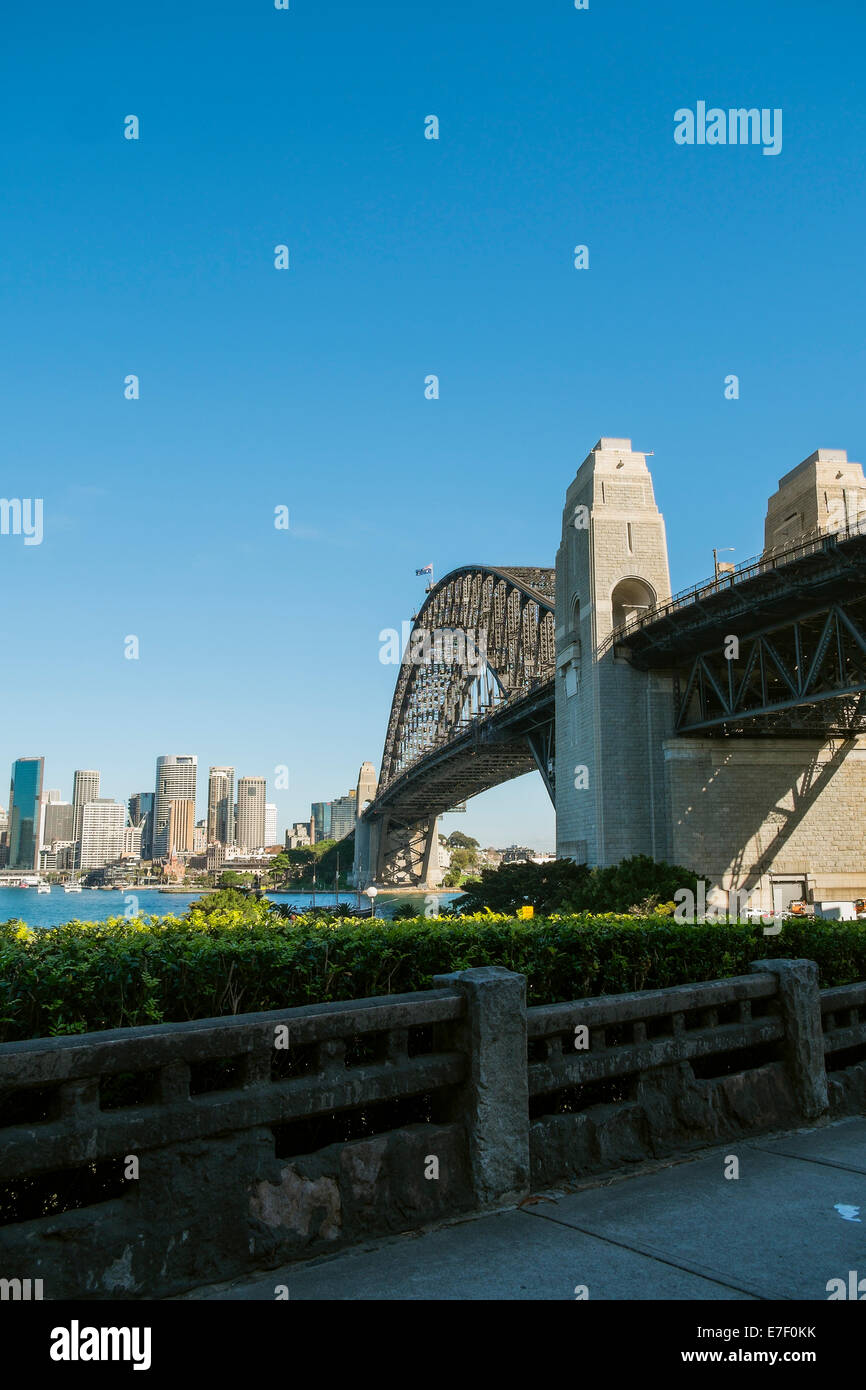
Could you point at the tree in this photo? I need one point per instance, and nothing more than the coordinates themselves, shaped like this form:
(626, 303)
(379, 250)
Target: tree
(280, 867)
(229, 879)
(462, 859)
(563, 886)
(457, 840)
(342, 851)
(299, 861)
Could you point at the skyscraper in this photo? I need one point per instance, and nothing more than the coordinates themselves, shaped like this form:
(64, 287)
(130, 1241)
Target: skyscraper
(58, 822)
(181, 825)
(49, 796)
(175, 781)
(25, 811)
(251, 813)
(141, 813)
(220, 806)
(320, 814)
(85, 787)
(343, 815)
(270, 823)
(102, 823)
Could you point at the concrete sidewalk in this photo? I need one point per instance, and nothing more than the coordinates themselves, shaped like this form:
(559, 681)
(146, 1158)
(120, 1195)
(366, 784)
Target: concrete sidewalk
(680, 1231)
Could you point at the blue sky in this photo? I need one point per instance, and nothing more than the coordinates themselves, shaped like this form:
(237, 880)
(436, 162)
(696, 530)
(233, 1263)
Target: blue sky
(305, 388)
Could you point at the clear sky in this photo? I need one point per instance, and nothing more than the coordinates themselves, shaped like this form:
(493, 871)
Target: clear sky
(408, 256)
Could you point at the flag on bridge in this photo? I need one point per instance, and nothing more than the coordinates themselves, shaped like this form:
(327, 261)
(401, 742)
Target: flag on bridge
(428, 569)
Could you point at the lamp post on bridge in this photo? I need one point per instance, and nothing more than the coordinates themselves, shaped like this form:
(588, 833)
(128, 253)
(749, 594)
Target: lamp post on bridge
(722, 566)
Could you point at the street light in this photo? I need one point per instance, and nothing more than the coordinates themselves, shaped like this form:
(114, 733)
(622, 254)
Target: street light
(372, 893)
(722, 566)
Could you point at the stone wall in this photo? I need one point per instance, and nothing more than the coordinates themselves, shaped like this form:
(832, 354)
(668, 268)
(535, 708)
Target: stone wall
(140, 1163)
(745, 812)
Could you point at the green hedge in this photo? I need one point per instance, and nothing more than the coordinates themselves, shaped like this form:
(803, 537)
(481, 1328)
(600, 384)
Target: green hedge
(85, 976)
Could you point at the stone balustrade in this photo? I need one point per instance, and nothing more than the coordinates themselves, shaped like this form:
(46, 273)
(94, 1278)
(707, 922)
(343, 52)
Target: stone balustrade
(141, 1162)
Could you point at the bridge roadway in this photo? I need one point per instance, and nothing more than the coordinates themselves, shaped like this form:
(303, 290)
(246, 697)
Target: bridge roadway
(765, 593)
(490, 750)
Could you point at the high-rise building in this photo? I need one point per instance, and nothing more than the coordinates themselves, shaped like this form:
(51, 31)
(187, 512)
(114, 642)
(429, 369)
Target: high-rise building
(25, 812)
(270, 823)
(367, 785)
(181, 826)
(250, 833)
(216, 857)
(102, 825)
(299, 835)
(175, 781)
(141, 813)
(130, 842)
(343, 815)
(51, 795)
(220, 806)
(199, 837)
(58, 822)
(85, 787)
(320, 814)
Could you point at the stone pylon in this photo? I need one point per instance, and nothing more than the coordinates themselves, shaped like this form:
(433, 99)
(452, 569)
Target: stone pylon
(612, 564)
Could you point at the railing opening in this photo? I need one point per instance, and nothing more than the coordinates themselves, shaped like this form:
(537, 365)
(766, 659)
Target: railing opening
(66, 1189)
(295, 1138)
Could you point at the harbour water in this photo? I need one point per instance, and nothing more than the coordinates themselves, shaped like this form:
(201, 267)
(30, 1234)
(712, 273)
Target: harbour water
(97, 904)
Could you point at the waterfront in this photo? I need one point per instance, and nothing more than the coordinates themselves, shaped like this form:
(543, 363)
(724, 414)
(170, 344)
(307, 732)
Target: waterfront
(97, 904)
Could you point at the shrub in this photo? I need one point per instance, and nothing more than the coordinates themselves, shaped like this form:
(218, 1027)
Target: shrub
(227, 900)
(87, 976)
(563, 886)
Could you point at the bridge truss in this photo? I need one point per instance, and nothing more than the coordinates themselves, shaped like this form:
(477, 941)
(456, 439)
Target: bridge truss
(797, 663)
(806, 677)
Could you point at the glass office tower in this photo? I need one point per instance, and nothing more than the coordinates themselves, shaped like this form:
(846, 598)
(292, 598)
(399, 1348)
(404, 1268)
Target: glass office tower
(25, 813)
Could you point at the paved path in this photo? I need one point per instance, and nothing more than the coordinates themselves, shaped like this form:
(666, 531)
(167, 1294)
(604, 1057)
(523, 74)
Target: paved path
(680, 1231)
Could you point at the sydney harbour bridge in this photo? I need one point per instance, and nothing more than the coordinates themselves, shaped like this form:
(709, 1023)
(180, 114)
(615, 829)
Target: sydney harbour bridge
(774, 650)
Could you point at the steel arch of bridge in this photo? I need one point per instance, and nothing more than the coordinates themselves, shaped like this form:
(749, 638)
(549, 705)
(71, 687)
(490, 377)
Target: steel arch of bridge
(482, 641)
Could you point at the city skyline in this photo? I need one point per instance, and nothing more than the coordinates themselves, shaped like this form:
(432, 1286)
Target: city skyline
(105, 822)
(222, 820)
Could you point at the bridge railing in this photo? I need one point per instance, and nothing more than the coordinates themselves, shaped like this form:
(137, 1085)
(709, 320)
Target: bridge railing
(144, 1162)
(141, 1161)
(843, 1013)
(746, 569)
(621, 1035)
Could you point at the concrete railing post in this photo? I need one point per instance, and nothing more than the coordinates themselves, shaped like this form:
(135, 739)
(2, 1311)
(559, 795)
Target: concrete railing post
(495, 1097)
(800, 1003)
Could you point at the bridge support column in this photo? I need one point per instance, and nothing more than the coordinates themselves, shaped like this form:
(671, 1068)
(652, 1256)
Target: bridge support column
(363, 873)
(431, 854)
(405, 854)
